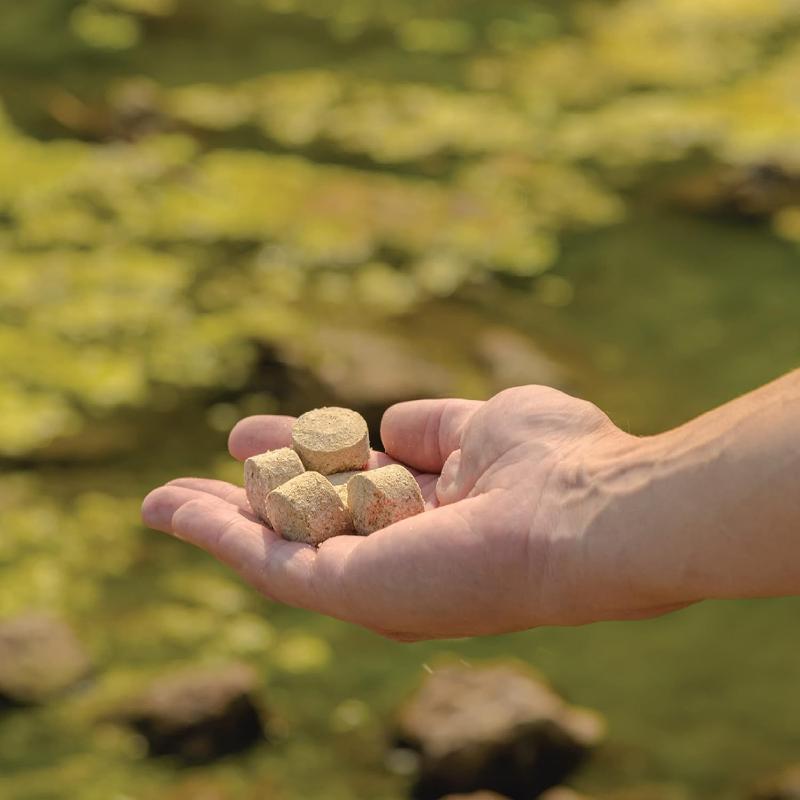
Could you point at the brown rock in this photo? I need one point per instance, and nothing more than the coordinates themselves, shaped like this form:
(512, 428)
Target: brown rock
(498, 728)
(512, 359)
(198, 714)
(397, 369)
(783, 786)
(751, 192)
(39, 657)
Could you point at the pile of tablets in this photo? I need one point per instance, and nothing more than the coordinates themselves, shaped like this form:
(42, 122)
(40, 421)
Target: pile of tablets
(321, 487)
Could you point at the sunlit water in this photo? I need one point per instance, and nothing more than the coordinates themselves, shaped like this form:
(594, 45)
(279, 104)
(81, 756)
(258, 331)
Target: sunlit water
(655, 320)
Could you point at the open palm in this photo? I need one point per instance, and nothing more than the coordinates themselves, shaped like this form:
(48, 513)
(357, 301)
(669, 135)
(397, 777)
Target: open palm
(502, 543)
(216, 516)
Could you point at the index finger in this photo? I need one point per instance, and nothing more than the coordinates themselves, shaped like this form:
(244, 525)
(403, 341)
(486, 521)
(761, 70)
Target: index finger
(399, 579)
(253, 435)
(280, 569)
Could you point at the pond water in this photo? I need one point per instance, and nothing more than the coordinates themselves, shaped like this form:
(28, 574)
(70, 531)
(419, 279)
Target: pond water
(655, 320)
(656, 317)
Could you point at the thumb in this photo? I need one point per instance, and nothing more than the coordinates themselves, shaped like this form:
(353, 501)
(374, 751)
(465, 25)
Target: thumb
(450, 486)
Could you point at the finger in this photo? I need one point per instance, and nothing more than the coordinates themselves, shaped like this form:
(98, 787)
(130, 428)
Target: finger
(280, 569)
(423, 433)
(254, 435)
(222, 489)
(428, 576)
(378, 459)
(159, 506)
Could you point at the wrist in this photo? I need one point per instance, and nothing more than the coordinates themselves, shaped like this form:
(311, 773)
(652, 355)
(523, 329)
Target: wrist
(710, 509)
(643, 530)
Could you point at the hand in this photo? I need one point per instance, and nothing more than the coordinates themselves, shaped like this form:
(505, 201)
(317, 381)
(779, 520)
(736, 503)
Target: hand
(507, 540)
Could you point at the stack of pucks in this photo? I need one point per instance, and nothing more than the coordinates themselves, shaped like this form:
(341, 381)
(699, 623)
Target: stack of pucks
(318, 488)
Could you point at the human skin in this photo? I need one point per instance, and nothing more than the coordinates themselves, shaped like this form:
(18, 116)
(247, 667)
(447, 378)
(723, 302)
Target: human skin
(539, 511)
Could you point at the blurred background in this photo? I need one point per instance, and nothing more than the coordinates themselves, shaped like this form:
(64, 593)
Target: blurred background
(210, 210)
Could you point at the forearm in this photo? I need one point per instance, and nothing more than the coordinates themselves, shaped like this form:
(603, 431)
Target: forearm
(712, 509)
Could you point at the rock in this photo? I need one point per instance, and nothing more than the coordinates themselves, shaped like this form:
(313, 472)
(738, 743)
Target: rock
(512, 359)
(39, 656)
(498, 728)
(752, 192)
(198, 714)
(397, 370)
(783, 786)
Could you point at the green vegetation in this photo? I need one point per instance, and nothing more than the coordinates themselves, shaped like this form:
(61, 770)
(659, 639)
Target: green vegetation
(209, 210)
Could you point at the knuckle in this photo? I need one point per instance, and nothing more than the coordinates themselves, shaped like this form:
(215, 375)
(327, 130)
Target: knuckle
(184, 518)
(544, 401)
(226, 529)
(595, 418)
(189, 509)
(230, 493)
(520, 399)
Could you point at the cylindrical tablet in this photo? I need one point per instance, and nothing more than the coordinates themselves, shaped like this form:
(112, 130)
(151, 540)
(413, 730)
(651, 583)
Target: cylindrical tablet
(341, 478)
(339, 481)
(267, 471)
(331, 440)
(341, 490)
(380, 497)
(308, 509)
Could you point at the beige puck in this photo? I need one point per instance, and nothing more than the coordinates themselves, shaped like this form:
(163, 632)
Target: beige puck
(267, 471)
(341, 478)
(341, 490)
(381, 497)
(308, 509)
(330, 440)
(339, 481)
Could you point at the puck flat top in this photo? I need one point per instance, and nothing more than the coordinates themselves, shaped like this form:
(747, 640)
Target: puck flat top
(329, 429)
